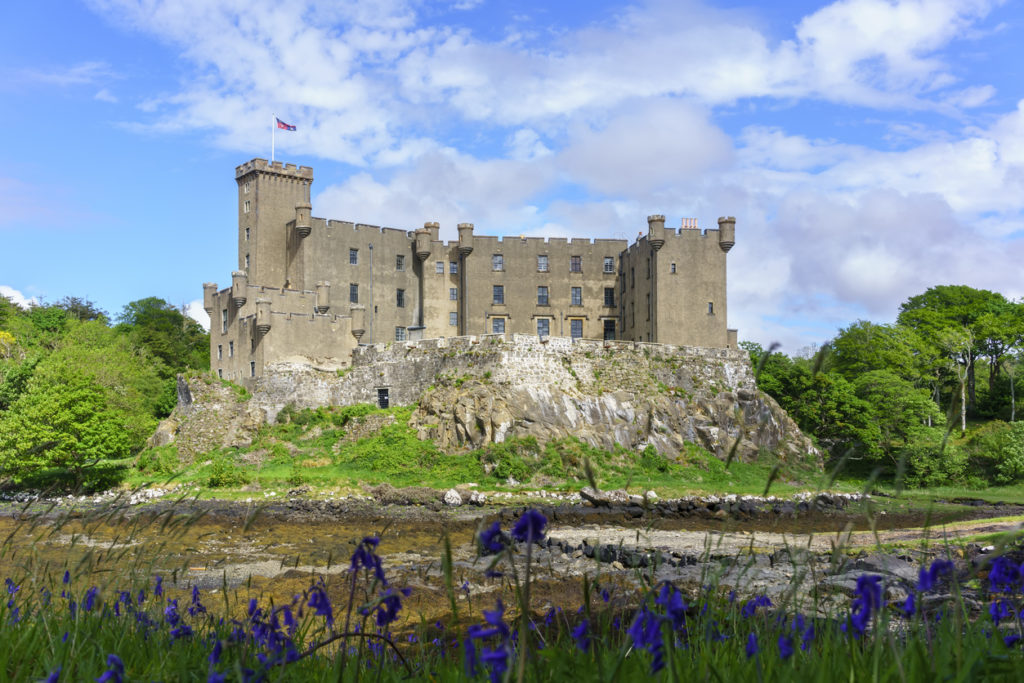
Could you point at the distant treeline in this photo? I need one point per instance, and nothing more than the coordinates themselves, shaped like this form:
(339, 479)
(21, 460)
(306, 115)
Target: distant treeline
(77, 388)
(930, 400)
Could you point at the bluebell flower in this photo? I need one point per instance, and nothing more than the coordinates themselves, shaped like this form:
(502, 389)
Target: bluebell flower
(582, 636)
(114, 672)
(1004, 575)
(1011, 640)
(365, 557)
(490, 539)
(798, 622)
(752, 646)
(469, 657)
(319, 601)
(808, 638)
(387, 609)
(671, 599)
(868, 600)
(216, 652)
(909, 606)
(142, 596)
(751, 607)
(926, 578)
(497, 661)
(196, 607)
(785, 647)
(530, 527)
(999, 610)
(605, 595)
(12, 588)
(181, 631)
(67, 577)
(158, 589)
(90, 599)
(54, 676)
(215, 677)
(646, 634)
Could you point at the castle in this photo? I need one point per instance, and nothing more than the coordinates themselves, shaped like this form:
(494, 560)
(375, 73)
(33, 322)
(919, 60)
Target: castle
(310, 290)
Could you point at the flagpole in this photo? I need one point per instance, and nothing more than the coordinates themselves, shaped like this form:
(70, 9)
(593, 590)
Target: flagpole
(273, 120)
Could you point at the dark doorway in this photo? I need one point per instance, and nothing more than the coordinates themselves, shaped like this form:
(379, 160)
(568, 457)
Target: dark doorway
(609, 329)
(382, 398)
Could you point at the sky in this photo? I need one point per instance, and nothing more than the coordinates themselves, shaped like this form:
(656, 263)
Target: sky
(869, 149)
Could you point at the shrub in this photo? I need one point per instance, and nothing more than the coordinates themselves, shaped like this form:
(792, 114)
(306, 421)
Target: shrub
(159, 460)
(931, 465)
(225, 472)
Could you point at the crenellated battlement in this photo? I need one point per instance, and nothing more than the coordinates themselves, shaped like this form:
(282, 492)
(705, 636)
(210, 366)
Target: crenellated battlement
(276, 168)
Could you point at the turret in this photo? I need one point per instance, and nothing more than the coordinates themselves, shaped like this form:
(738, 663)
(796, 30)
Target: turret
(434, 228)
(262, 316)
(323, 296)
(239, 284)
(358, 321)
(209, 291)
(303, 225)
(423, 242)
(465, 239)
(656, 231)
(726, 233)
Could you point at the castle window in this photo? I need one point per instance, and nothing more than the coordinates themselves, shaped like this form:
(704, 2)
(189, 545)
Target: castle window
(672, 268)
(576, 298)
(711, 308)
(499, 294)
(498, 325)
(453, 267)
(245, 206)
(439, 267)
(576, 328)
(453, 293)
(220, 373)
(353, 257)
(231, 349)
(399, 262)
(542, 263)
(252, 368)
(542, 296)
(252, 344)
(609, 264)
(224, 320)
(453, 319)
(648, 306)
(609, 296)
(575, 264)
(247, 234)
(632, 278)
(543, 327)
(245, 187)
(609, 330)
(220, 352)
(399, 334)
(353, 293)
(648, 267)
(400, 298)
(247, 262)
(497, 262)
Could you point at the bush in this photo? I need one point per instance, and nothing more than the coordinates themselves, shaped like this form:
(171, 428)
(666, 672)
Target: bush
(225, 473)
(653, 461)
(997, 451)
(159, 460)
(928, 465)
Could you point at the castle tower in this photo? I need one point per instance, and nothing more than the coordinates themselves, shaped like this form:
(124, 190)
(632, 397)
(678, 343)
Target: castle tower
(271, 197)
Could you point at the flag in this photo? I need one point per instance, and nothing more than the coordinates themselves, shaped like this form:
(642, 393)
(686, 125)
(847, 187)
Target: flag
(282, 125)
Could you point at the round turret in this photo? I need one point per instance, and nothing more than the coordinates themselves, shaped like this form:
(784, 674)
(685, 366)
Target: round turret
(726, 233)
(423, 243)
(656, 231)
(262, 316)
(465, 239)
(323, 297)
(209, 292)
(239, 285)
(358, 314)
(303, 222)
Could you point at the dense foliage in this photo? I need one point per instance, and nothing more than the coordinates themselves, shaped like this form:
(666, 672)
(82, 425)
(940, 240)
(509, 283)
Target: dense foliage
(75, 391)
(900, 396)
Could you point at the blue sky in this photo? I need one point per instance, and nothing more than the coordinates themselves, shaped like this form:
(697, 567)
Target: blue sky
(869, 149)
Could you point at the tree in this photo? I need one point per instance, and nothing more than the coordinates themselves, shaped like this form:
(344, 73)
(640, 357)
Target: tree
(899, 409)
(952, 307)
(81, 309)
(177, 340)
(865, 346)
(1002, 333)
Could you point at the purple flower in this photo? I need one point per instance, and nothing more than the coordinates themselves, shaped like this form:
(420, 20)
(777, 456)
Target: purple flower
(909, 607)
(926, 578)
(12, 587)
(805, 642)
(999, 609)
(114, 672)
(646, 634)
(751, 607)
(182, 631)
(469, 657)
(530, 527)
(785, 647)
(215, 653)
(490, 539)
(365, 557)
(158, 589)
(54, 677)
(752, 647)
(497, 661)
(671, 599)
(67, 577)
(867, 601)
(90, 599)
(387, 610)
(215, 677)
(319, 601)
(196, 607)
(1004, 575)
(581, 636)
(605, 595)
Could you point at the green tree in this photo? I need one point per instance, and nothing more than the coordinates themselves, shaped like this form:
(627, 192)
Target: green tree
(865, 346)
(169, 335)
(899, 409)
(954, 307)
(81, 309)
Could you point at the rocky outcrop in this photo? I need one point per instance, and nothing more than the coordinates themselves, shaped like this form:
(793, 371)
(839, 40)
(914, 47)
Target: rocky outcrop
(210, 414)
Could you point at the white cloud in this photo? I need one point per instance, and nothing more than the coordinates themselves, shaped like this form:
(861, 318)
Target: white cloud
(194, 309)
(17, 297)
(105, 95)
(84, 73)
